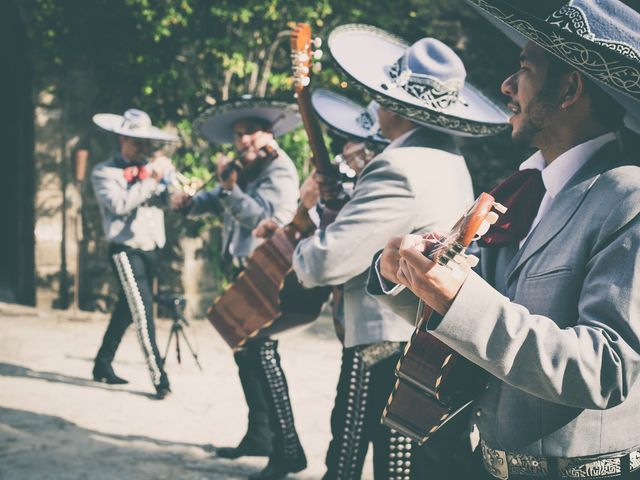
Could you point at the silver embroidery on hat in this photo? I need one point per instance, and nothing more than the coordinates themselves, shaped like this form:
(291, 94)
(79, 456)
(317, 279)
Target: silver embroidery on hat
(431, 91)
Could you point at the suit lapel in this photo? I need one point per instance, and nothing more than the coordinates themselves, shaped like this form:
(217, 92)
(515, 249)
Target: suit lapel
(563, 208)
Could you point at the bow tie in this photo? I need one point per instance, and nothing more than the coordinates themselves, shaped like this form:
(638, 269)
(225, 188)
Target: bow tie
(134, 173)
(521, 193)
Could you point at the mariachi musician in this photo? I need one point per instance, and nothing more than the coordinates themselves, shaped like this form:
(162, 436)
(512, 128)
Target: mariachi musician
(131, 193)
(260, 182)
(422, 109)
(554, 315)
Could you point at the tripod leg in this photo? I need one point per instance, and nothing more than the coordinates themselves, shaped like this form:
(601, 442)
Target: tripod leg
(178, 346)
(193, 353)
(166, 350)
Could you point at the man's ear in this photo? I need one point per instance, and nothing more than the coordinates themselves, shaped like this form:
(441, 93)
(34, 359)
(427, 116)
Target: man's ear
(573, 89)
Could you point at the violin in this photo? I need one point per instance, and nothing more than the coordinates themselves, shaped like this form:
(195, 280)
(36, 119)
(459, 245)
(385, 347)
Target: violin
(247, 172)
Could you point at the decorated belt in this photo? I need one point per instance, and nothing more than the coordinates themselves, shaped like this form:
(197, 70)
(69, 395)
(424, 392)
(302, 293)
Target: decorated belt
(502, 464)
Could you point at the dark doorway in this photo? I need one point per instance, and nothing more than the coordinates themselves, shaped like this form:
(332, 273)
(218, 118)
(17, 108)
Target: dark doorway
(17, 273)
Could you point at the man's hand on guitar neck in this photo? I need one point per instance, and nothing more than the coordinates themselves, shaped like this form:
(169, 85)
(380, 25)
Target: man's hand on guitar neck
(435, 284)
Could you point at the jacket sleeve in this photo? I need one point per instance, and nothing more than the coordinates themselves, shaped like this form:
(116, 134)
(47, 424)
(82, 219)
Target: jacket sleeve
(593, 364)
(118, 199)
(379, 208)
(206, 203)
(276, 196)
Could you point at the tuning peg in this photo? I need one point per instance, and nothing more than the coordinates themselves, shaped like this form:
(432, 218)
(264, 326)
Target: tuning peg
(500, 208)
(317, 67)
(305, 81)
(303, 57)
(472, 260)
(303, 70)
(492, 217)
(317, 54)
(317, 42)
(484, 227)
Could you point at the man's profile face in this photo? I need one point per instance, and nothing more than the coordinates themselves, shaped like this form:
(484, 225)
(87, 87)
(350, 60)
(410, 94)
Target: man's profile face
(136, 150)
(531, 98)
(249, 137)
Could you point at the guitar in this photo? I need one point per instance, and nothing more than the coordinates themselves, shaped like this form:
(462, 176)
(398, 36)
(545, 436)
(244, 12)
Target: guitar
(266, 297)
(434, 382)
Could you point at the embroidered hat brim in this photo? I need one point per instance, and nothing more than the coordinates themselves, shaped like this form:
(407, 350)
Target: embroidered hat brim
(614, 65)
(116, 124)
(216, 123)
(344, 116)
(365, 53)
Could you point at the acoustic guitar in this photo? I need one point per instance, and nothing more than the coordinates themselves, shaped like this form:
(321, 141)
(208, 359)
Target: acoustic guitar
(434, 382)
(266, 297)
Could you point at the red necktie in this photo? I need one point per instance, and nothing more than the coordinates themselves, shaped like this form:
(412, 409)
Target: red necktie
(521, 193)
(134, 173)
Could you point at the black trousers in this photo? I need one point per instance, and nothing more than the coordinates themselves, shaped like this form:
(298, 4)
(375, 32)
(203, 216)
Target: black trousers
(367, 377)
(135, 270)
(271, 422)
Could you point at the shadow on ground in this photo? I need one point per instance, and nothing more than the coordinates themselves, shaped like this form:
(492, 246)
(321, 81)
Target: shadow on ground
(31, 442)
(10, 370)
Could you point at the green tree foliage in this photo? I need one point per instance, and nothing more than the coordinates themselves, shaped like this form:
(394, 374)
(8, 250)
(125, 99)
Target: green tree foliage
(175, 58)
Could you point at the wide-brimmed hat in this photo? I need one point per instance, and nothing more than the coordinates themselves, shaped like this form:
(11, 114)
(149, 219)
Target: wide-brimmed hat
(216, 124)
(346, 117)
(599, 38)
(134, 123)
(424, 82)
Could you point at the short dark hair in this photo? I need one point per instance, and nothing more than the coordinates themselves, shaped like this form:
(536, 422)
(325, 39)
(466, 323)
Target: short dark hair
(604, 108)
(262, 123)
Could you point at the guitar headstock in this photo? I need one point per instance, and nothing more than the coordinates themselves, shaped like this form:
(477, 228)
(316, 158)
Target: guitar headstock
(450, 250)
(304, 50)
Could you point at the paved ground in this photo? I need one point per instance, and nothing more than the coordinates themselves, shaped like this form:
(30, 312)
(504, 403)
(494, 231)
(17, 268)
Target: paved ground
(55, 423)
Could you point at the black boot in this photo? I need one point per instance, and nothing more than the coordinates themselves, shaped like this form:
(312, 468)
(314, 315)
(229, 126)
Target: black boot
(288, 455)
(257, 442)
(103, 372)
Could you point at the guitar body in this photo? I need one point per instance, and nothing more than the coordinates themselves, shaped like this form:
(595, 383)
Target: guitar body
(434, 382)
(266, 297)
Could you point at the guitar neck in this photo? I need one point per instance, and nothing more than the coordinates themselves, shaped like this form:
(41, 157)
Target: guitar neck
(321, 159)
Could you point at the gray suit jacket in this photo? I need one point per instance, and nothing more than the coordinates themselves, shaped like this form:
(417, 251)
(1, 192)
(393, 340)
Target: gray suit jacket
(560, 331)
(423, 184)
(131, 213)
(274, 193)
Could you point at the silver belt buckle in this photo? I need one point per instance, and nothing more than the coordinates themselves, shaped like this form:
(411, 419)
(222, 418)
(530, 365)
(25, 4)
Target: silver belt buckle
(495, 461)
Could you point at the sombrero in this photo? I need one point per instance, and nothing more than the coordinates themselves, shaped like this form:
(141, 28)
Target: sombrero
(599, 38)
(134, 123)
(216, 124)
(346, 117)
(425, 82)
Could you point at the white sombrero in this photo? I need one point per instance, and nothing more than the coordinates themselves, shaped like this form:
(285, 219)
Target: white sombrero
(216, 124)
(134, 123)
(599, 38)
(346, 117)
(424, 82)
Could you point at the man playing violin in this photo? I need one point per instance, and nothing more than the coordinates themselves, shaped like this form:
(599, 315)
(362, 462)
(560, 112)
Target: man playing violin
(260, 182)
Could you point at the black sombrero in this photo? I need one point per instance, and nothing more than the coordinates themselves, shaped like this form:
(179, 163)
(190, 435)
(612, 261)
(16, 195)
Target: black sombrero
(216, 123)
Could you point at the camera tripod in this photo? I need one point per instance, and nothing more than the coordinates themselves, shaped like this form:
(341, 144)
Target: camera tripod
(177, 304)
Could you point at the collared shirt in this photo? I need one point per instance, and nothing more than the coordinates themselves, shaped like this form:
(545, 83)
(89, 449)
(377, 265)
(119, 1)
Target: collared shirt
(556, 175)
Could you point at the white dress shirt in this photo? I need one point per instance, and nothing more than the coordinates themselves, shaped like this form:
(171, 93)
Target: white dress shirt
(556, 175)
